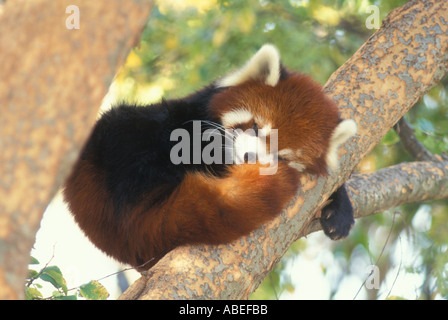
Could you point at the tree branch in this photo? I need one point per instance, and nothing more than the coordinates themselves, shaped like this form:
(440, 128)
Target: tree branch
(412, 182)
(411, 143)
(375, 192)
(375, 87)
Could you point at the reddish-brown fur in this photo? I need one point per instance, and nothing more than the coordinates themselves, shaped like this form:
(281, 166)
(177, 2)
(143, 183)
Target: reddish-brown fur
(201, 210)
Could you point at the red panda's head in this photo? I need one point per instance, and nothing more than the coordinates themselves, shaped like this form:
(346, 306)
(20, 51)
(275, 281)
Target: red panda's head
(263, 96)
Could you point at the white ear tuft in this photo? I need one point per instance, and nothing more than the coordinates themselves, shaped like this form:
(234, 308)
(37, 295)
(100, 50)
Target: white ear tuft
(345, 130)
(264, 65)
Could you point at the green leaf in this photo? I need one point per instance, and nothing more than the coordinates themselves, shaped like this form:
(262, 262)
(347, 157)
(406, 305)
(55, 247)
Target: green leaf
(32, 293)
(53, 275)
(395, 298)
(34, 260)
(60, 296)
(93, 291)
(71, 297)
(32, 274)
(425, 125)
(390, 138)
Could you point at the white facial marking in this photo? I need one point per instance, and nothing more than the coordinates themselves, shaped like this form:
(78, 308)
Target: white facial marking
(265, 130)
(251, 146)
(232, 118)
(297, 165)
(286, 154)
(291, 155)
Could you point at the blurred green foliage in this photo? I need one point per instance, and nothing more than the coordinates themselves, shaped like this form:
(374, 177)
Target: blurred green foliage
(37, 281)
(189, 43)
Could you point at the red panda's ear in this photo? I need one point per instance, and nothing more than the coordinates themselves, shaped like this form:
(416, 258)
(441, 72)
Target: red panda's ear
(345, 130)
(263, 66)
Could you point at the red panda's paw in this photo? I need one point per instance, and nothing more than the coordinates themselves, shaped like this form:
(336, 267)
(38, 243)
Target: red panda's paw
(282, 185)
(275, 190)
(337, 217)
(281, 178)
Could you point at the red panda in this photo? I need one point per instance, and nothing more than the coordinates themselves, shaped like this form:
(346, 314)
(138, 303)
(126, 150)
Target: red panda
(138, 190)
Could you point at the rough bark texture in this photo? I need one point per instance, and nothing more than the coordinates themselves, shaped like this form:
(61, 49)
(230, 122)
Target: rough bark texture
(52, 82)
(376, 87)
(411, 182)
(393, 186)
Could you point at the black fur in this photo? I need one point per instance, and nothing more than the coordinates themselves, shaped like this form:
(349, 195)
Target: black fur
(136, 154)
(337, 217)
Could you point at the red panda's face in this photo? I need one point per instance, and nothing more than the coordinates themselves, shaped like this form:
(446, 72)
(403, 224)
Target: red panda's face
(274, 113)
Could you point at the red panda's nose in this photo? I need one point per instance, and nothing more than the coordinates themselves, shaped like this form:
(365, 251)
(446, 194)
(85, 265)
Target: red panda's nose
(252, 156)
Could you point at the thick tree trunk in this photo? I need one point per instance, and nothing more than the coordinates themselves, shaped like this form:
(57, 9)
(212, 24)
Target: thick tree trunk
(53, 79)
(376, 87)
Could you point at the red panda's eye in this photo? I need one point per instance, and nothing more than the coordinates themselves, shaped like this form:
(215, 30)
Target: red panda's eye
(255, 128)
